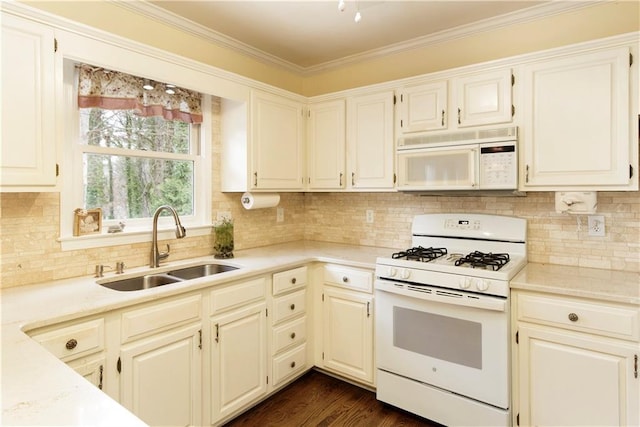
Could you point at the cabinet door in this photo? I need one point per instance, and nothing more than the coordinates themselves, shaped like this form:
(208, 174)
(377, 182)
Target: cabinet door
(28, 104)
(160, 379)
(370, 141)
(277, 142)
(326, 145)
(423, 107)
(348, 333)
(483, 98)
(239, 360)
(574, 379)
(92, 369)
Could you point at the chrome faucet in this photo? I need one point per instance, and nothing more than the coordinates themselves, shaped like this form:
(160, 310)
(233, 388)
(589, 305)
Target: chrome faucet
(157, 256)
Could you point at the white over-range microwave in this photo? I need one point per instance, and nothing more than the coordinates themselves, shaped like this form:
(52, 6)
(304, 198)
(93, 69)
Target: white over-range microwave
(469, 160)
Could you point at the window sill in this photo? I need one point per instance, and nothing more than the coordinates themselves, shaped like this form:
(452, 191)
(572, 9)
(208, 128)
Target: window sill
(72, 243)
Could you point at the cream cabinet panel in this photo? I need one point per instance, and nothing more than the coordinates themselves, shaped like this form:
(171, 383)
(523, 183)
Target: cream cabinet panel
(348, 333)
(92, 369)
(238, 360)
(28, 157)
(483, 98)
(370, 141)
(567, 378)
(423, 107)
(277, 135)
(326, 151)
(576, 122)
(160, 379)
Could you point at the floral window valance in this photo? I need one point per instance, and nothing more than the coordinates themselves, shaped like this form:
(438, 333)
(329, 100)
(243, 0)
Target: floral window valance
(113, 90)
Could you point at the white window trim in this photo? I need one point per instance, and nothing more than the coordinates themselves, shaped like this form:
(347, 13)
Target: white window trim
(71, 194)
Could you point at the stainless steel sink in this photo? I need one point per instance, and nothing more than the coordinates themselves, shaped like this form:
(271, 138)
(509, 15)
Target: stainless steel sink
(141, 282)
(149, 281)
(197, 271)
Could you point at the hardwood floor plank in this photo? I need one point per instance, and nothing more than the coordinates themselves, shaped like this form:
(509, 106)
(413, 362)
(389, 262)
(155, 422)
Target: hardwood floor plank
(320, 400)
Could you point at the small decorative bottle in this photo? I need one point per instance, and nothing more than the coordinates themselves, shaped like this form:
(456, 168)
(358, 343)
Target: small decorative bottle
(223, 233)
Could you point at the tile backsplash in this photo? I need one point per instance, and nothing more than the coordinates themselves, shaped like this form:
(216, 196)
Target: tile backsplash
(30, 252)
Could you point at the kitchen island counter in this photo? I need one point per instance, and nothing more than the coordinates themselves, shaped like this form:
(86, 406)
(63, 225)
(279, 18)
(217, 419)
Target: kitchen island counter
(39, 389)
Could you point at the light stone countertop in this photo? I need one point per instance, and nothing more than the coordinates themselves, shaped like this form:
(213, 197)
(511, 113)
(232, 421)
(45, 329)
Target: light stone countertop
(39, 389)
(592, 283)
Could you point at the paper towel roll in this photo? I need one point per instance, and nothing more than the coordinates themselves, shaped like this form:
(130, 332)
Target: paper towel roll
(259, 200)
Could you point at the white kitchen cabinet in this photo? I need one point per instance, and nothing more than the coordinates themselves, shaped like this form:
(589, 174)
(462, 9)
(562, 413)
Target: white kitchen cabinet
(423, 107)
(370, 141)
(289, 325)
(238, 341)
(347, 323)
(483, 98)
(160, 361)
(28, 159)
(577, 361)
(576, 130)
(326, 150)
(277, 142)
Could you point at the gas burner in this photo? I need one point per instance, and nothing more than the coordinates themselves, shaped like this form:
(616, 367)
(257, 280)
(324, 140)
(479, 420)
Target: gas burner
(420, 254)
(484, 260)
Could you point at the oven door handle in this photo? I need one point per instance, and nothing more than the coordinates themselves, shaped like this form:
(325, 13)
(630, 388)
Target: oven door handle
(448, 297)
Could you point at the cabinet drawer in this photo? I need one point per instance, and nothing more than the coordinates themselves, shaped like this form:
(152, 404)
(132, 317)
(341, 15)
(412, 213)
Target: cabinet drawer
(71, 342)
(160, 316)
(237, 295)
(596, 318)
(348, 277)
(290, 334)
(289, 306)
(288, 280)
(289, 364)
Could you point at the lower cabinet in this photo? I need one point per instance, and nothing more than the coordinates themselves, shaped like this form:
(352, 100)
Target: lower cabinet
(577, 362)
(238, 342)
(347, 323)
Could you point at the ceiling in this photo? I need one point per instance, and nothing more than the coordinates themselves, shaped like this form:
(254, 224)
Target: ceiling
(304, 35)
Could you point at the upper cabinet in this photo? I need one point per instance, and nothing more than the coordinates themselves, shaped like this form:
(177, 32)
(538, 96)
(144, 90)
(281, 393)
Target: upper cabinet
(370, 141)
(423, 107)
(277, 142)
(326, 146)
(483, 98)
(577, 121)
(28, 160)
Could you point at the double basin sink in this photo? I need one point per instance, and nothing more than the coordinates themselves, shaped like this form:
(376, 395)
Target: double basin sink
(149, 281)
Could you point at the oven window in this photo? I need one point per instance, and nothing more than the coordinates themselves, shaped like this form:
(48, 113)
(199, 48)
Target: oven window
(446, 338)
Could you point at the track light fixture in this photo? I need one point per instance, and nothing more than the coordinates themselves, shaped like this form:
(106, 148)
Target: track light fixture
(342, 6)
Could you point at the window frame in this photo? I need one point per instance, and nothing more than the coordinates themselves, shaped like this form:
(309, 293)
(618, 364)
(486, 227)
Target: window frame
(137, 230)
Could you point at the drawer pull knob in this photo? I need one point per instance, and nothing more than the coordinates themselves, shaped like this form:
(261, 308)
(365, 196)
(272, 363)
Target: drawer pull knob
(71, 344)
(293, 281)
(293, 364)
(573, 317)
(293, 335)
(292, 306)
(345, 279)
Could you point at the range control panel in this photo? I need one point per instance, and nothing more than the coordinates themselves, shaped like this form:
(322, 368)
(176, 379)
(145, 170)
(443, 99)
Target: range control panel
(461, 224)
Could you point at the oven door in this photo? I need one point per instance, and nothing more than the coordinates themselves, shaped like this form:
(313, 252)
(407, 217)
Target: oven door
(452, 340)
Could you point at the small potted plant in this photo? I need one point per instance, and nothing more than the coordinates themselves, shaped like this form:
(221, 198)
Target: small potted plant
(223, 233)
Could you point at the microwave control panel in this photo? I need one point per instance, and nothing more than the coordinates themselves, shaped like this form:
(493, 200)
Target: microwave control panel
(499, 166)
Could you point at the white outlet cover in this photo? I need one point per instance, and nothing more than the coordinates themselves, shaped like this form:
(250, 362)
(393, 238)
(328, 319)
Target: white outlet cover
(596, 225)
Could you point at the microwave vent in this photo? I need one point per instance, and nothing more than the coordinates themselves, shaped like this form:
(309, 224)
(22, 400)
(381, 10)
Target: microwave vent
(470, 137)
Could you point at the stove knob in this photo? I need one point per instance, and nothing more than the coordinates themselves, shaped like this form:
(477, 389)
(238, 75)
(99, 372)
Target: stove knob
(392, 272)
(464, 283)
(482, 285)
(404, 274)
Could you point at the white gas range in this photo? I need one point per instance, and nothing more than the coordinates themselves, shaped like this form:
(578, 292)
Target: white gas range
(442, 318)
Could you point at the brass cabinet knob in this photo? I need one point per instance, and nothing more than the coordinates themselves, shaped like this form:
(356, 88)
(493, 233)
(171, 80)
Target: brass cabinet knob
(292, 306)
(293, 281)
(345, 279)
(293, 364)
(71, 344)
(573, 317)
(293, 335)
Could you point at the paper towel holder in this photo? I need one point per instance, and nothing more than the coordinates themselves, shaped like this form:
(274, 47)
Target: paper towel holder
(576, 202)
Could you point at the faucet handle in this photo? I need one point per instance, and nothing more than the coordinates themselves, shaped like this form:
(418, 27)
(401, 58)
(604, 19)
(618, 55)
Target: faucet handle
(164, 255)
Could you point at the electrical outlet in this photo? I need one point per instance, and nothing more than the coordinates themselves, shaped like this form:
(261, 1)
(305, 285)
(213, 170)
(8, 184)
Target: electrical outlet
(370, 216)
(279, 214)
(596, 225)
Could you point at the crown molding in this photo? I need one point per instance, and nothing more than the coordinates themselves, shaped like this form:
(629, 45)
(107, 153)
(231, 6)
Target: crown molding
(518, 17)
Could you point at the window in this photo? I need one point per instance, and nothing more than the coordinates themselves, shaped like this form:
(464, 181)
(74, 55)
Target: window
(136, 144)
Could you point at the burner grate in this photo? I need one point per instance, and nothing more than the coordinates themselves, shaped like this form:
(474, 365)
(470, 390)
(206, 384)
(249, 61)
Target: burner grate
(484, 260)
(420, 254)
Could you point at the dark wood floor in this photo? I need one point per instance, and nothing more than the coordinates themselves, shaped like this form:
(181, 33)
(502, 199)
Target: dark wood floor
(317, 399)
